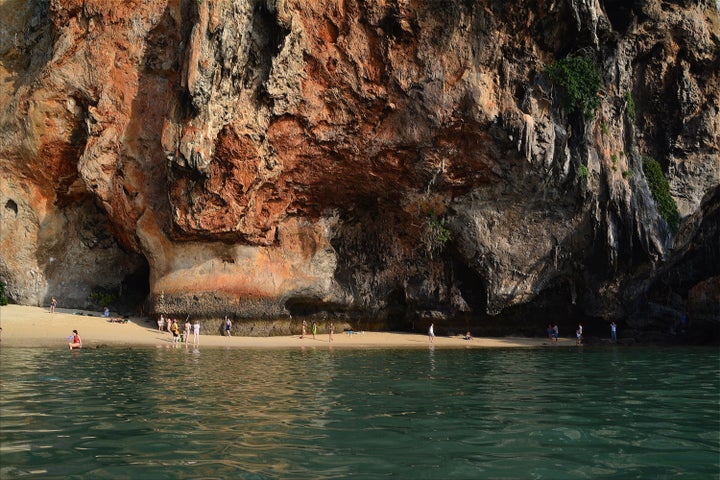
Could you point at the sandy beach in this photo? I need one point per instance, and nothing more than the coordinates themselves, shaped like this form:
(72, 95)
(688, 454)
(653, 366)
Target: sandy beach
(24, 326)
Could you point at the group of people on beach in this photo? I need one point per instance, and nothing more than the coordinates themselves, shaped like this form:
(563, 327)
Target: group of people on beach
(553, 333)
(314, 330)
(172, 326)
(431, 334)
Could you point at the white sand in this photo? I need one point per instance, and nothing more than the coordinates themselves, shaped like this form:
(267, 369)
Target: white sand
(24, 326)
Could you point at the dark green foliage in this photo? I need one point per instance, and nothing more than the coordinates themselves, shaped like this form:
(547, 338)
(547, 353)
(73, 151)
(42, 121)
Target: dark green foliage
(580, 81)
(436, 234)
(102, 298)
(661, 192)
(3, 298)
(583, 171)
(630, 105)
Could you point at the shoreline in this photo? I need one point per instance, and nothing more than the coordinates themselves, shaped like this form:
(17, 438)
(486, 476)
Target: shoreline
(25, 326)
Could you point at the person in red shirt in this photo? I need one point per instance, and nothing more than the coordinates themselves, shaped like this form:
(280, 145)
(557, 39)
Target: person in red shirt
(76, 341)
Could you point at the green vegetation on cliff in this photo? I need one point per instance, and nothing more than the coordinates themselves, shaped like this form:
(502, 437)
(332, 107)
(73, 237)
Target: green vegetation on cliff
(661, 192)
(580, 81)
(3, 298)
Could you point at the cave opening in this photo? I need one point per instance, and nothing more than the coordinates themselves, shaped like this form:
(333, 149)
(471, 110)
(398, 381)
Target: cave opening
(135, 289)
(471, 285)
(12, 206)
(620, 13)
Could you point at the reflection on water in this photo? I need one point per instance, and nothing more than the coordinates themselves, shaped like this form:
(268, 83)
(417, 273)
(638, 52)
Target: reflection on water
(217, 413)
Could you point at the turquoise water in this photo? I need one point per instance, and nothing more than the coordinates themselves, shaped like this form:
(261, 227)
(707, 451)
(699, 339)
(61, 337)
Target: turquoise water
(554, 413)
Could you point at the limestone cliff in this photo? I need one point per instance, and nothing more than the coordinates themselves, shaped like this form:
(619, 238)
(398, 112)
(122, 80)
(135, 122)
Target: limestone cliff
(381, 162)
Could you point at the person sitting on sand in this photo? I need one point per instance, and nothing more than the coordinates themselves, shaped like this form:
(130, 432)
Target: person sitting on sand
(76, 341)
(106, 312)
(467, 336)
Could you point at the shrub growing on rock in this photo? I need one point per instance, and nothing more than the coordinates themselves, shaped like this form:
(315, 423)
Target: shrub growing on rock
(3, 298)
(580, 81)
(661, 192)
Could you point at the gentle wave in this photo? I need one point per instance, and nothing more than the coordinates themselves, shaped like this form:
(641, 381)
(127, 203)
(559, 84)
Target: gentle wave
(516, 413)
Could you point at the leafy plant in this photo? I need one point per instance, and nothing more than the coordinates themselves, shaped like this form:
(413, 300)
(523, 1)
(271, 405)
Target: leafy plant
(583, 171)
(102, 297)
(436, 233)
(661, 192)
(630, 105)
(627, 173)
(579, 78)
(3, 297)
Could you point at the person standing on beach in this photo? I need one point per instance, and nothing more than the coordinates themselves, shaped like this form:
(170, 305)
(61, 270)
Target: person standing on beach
(332, 330)
(53, 304)
(228, 326)
(431, 333)
(175, 330)
(76, 341)
(556, 332)
(580, 329)
(314, 329)
(186, 338)
(161, 323)
(550, 332)
(578, 335)
(304, 327)
(613, 331)
(169, 324)
(196, 332)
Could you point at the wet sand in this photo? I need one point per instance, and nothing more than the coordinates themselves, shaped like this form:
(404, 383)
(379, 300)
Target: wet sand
(24, 326)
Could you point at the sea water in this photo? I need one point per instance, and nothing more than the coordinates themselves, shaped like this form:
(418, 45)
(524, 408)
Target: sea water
(547, 413)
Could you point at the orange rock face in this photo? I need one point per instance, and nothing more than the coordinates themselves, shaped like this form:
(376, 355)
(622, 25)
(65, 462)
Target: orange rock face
(354, 159)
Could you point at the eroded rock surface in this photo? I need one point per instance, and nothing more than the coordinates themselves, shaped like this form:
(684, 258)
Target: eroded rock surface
(389, 161)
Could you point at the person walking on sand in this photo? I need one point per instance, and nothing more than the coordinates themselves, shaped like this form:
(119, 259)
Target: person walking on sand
(161, 323)
(613, 331)
(228, 326)
(550, 332)
(304, 327)
(53, 304)
(76, 341)
(332, 330)
(556, 332)
(196, 332)
(314, 329)
(431, 333)
(169, 324)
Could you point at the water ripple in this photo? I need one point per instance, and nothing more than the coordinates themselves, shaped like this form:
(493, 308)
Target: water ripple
(169, 413)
